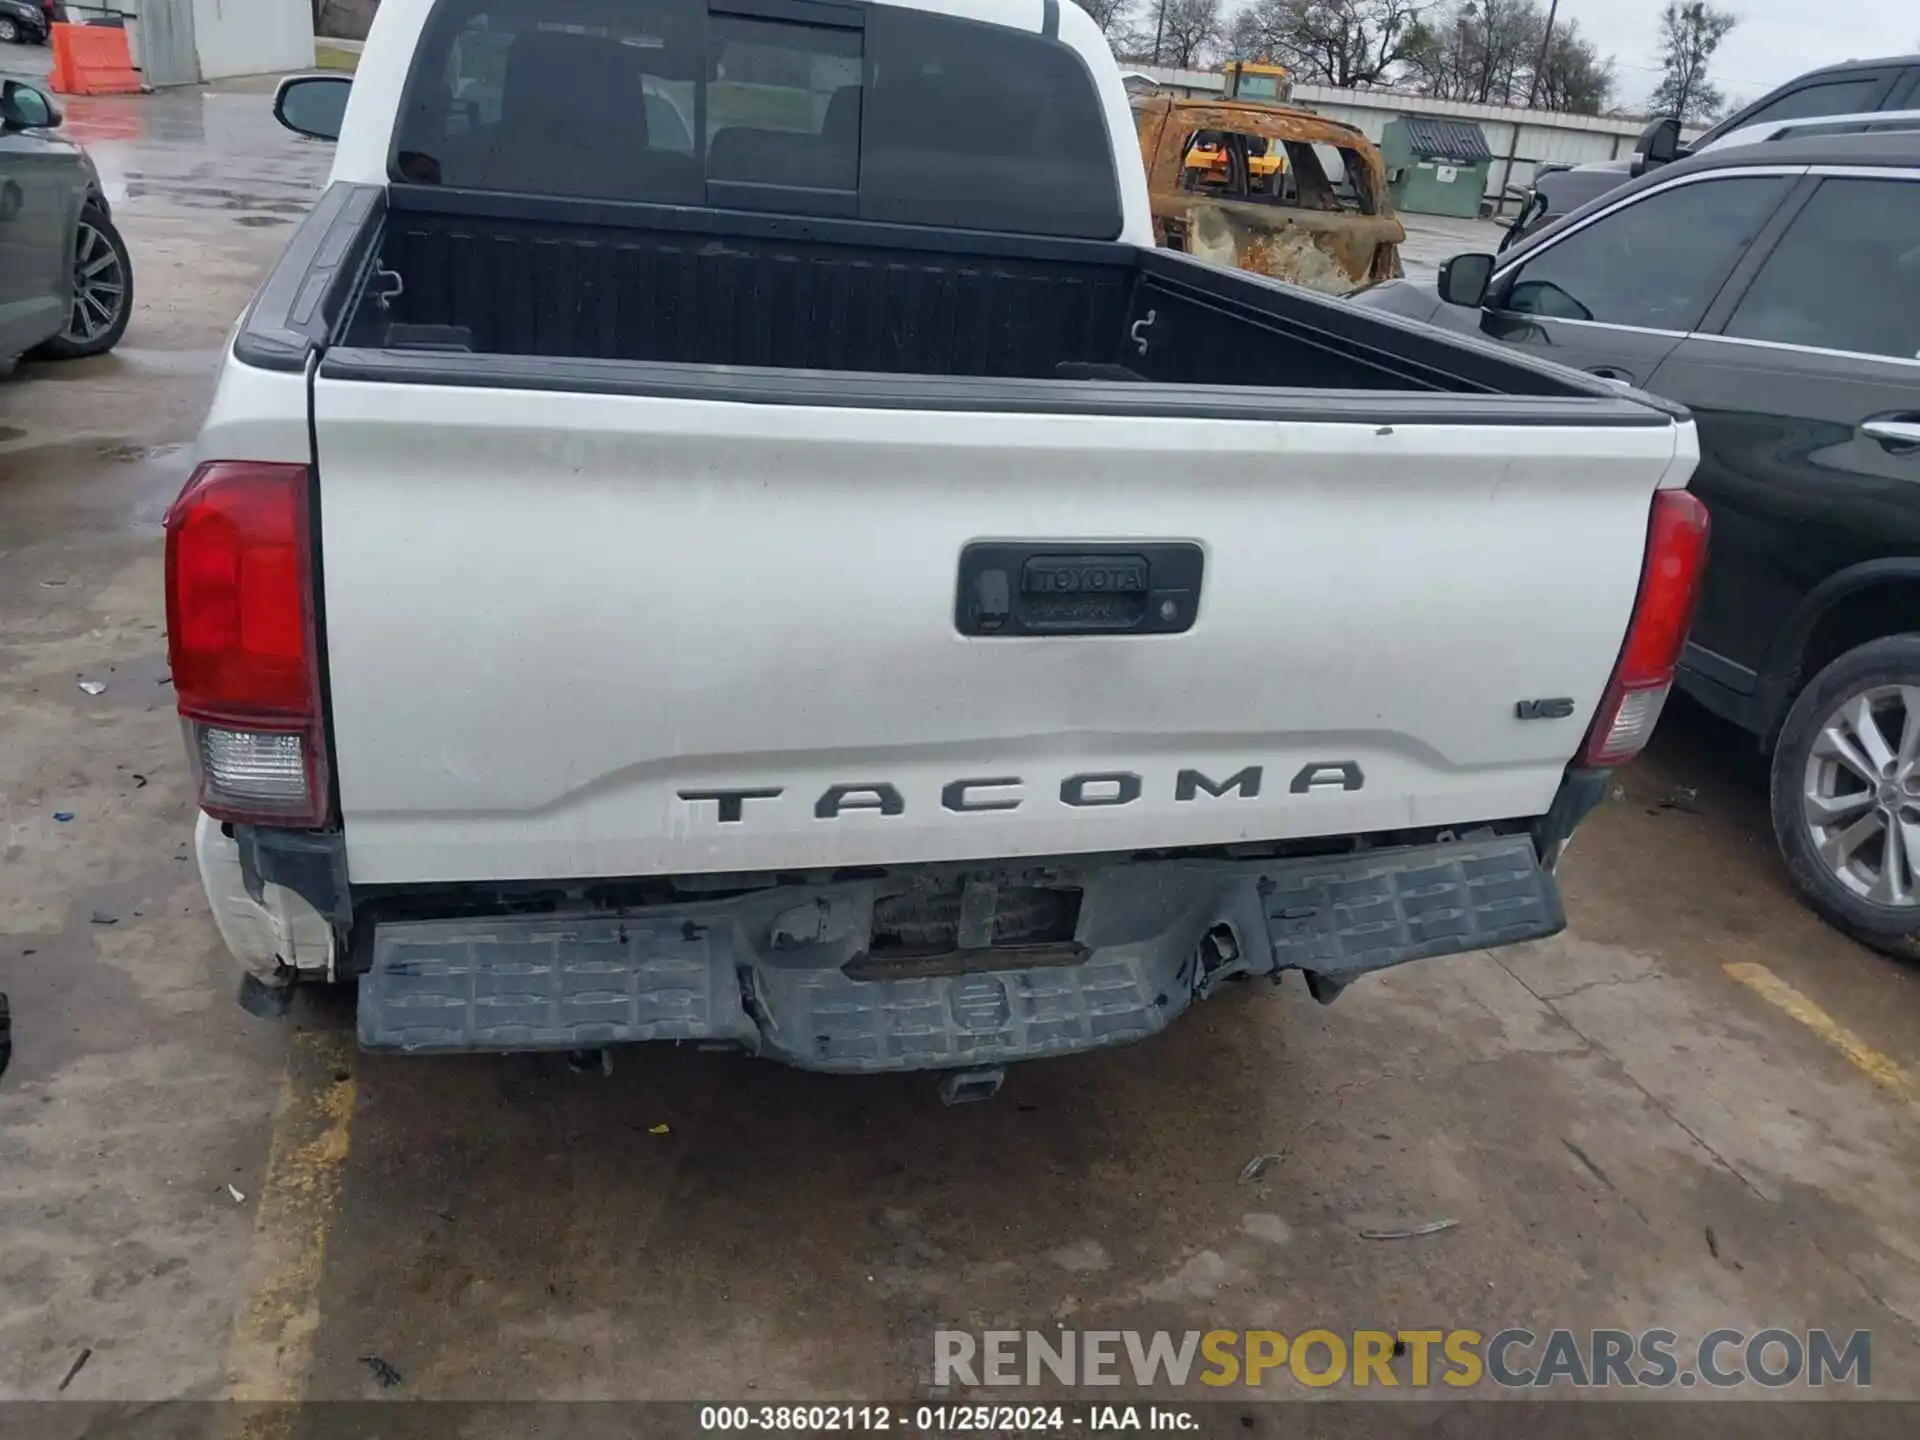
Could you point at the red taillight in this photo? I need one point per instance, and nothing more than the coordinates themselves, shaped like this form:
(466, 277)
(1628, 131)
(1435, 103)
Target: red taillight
(240, 636)
(1669, 585)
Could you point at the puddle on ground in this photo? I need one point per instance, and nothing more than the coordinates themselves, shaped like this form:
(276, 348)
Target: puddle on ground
(138, 481)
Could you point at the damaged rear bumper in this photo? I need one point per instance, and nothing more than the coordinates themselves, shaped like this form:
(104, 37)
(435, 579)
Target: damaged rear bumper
(791, 972)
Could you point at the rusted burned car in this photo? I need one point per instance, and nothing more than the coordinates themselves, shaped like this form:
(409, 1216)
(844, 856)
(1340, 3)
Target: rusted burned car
(1321, 218)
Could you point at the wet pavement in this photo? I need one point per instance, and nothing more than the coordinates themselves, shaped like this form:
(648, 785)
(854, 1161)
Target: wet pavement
(31, 63)
(1625, 1131)
(205, 187)
(188, 153)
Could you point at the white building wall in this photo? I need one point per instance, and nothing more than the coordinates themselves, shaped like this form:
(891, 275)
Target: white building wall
(252, 37)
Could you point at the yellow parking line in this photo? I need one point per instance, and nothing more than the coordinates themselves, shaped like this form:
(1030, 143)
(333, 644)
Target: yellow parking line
(271, 1349)
(1883, 1070)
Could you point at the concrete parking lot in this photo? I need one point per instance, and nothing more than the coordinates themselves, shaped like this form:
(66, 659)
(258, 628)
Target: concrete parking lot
(1693, 1110)
(1433, 238)
(25, 62)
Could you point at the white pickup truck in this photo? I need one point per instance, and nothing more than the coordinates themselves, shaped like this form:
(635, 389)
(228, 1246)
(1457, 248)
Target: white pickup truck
(721, 527)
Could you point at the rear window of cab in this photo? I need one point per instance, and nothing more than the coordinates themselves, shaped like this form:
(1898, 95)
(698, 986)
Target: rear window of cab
(862, 111)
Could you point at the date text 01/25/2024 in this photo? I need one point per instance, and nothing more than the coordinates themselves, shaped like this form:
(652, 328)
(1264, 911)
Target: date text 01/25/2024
(944, 1419)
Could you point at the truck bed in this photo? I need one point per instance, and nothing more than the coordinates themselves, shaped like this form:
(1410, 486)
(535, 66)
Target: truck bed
(502, 276)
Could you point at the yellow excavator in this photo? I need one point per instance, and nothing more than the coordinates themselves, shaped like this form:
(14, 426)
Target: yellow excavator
(1257, 80)
(1245, 80)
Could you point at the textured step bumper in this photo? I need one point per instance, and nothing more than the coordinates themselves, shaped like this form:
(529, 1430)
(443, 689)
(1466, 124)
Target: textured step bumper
(716, 972)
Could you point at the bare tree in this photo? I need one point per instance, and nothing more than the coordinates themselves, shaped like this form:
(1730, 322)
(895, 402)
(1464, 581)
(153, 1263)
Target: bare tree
(1574, 79)
(1115, 19)
(1188, 30)
(1498, 52)
(1480, 50)
(1689, 34)
(1328, 42)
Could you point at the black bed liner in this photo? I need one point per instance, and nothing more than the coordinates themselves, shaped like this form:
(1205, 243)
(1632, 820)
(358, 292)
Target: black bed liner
(437, 286)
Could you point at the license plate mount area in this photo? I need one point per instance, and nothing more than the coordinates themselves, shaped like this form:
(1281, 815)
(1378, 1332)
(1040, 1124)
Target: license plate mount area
(1064, 587)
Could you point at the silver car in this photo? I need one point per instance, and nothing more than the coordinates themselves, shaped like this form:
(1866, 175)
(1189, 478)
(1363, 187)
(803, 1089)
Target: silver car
(66, 283)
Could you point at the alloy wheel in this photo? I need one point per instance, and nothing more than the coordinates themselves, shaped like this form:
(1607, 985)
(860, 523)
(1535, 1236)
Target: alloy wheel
(99, 286)
(1860, 797)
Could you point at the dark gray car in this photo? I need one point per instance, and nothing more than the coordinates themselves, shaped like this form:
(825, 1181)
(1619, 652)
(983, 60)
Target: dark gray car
(1854, 88)
(1774, 290)
(66, 282)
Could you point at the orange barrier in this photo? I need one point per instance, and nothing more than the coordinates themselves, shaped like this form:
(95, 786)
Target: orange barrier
(93, 60)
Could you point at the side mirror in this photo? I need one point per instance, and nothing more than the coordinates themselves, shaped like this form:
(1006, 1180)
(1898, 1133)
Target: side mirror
(1463, 279)
(24, 108)
(1659, 144)
(312, 105)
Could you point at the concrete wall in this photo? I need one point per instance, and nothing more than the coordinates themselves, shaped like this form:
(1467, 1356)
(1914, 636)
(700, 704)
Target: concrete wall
(252, 37)
(1544, 135)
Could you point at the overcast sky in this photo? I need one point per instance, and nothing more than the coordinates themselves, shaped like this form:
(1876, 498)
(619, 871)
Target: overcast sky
(1774, 41)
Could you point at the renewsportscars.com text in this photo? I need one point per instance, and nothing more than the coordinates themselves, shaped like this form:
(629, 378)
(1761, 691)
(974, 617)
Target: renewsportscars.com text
(1510, 1359)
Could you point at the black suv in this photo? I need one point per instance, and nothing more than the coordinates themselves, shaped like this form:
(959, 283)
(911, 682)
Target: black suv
(1775, 291)
(1857, 87)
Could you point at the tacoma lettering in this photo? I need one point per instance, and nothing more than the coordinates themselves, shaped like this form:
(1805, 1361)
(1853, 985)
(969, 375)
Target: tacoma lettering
(1327, 774)
(985, 794)
(1126, 788)
(1190, 783)
(732, 803)
(954, 796)
(841, 798)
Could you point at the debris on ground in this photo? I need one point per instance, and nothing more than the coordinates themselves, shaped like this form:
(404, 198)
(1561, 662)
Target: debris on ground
(661, 1129)
(238, 1198)
(382, 1371)
(1432, 1227)
(74, 1369)
(139, 782)
(6, 1031)
(1713, 1243)
(101, 917)
(1593, 1166)
(94, 687)
(1681, 799)
(1257, 1167)
(63, 816)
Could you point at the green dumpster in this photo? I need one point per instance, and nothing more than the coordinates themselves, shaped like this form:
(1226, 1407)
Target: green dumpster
(1435, 165)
